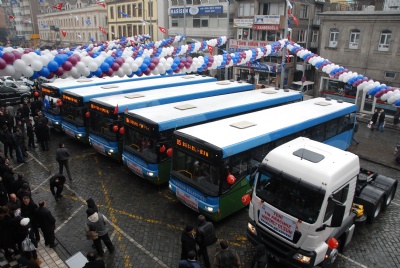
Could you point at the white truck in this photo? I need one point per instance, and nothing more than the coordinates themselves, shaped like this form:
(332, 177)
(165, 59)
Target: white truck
(308, 198)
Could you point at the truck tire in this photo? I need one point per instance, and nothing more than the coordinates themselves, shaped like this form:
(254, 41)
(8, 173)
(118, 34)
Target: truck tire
(389, 197)
(378, 208)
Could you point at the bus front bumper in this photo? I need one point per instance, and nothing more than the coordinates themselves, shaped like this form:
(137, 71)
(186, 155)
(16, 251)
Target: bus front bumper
(141, 171)
(73, 133)
(55, 124)
(109, 151)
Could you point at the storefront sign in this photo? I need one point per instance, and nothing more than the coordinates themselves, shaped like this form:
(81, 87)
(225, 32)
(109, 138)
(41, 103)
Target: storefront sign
(260, 67)
(243, 23)
(196, 10)
(246, 44)
(266, 27)
(267, 19)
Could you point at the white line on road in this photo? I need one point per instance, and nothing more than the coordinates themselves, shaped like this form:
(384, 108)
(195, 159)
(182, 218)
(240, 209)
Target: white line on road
(397, 204)
(67, 220)
(353, 261)
(40, 163)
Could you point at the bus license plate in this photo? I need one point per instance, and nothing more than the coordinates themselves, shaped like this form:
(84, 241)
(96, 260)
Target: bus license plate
(187, 200)
(135, 169)
(99, 148)
(69, 133)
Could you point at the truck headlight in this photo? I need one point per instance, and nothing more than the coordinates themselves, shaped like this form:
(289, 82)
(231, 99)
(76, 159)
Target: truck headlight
(251, 228)
(210, 209)
(301, 258)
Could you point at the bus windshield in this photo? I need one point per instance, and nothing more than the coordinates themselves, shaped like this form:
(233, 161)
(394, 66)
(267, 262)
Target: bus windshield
(74, 114)
(197, 172)
(290, 196)
(140, 144)
(101, 124)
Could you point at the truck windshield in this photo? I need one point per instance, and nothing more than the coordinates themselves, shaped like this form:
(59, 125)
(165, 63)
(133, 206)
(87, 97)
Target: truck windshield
(141, 144)
(290, 195)
(74, 114)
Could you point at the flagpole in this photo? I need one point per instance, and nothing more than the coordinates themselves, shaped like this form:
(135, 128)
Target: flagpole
(227, 40)
(184, 19)
(283, 64)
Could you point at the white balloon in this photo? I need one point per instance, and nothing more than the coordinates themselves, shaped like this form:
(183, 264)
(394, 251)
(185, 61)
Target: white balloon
(85, 72)
(27, 59)
(93, 66)
(134, 67)
(17, 75)
(37, 65)
(27, 71)
(384, 97)
(393, 98)
(65, 75)
(80, 66)
(73, 72)
(19, 65)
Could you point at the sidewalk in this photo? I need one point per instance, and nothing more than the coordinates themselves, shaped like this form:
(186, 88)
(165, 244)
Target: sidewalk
(47, 255)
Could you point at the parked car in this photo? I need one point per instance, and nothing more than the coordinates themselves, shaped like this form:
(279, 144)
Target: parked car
(306, 87)
(13, 93)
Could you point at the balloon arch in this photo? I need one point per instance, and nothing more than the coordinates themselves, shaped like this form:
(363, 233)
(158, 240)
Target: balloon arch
(127, 56)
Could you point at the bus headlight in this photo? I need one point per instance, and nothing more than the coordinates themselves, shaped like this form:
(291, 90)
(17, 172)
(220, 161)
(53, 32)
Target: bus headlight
(79, 135)
(251, 228)
(302, 258)
(111, 151)
(56, 123)
(209, 209)
(151, 174)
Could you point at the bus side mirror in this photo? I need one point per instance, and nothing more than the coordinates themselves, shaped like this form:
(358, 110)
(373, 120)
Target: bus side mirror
(338, 214)
(253, 174)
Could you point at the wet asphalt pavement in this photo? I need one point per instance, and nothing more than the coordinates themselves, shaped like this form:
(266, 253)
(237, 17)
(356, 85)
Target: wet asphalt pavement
(146, 221)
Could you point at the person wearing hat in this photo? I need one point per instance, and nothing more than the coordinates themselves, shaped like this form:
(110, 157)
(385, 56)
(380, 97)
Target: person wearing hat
(98, 222)
(188, 242)
(26, 231)
(47, 223)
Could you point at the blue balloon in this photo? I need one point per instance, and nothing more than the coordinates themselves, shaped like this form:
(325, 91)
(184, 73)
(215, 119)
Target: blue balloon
(1, 48)
(110, 60)
(143, 67)
(53, 66)
(98, 72)
(37, 51)
(104, 67)
(174, 66)
(34, 76)
(397, 103)
(177, 60)
(69, 53)
(1, 54)
(44, 72)
(59, 59)
(90, 75)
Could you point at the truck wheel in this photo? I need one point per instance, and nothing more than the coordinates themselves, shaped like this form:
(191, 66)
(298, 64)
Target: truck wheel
(389, 197)
(377, 211)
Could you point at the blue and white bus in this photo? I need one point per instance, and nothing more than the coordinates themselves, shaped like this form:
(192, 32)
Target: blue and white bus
(148, 131)
(75, 102)
(214, 164)
(106, 114)
(51, 92)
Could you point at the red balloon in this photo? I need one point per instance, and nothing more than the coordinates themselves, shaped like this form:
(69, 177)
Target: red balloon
(115, 128)
(115, 66)
(50, 76)
(181, 65)
(122, 131)
(73, 60)
(246, 199)
(109, 72)
(87, 114)
(67, 66)
(231, 179)
(169, 152)
(8, 57)
(119, 61)
(17, 55)
(147, 72)
(3, 64)
(162, 149)
(36, 94)
(333, 243)
(59, 71)
(152, 66)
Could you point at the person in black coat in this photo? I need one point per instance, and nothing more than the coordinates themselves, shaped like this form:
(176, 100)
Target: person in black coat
(260, 259)
(57, 182)
(30, 131)
(381, 121)
(3, 194)
(19, 182)
(28, 210)
(42, 135)
(25, 190)
(91, 204)
(188, 242)
(92, 262)
(25, 231)
(7, 173)
(47, 224)
(13, 204)
(374, 118)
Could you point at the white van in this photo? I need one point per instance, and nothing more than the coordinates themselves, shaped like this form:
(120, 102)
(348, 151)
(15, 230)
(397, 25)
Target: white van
(306, 88)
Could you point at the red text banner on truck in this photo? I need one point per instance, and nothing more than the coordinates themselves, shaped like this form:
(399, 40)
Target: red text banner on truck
(75, 122)
(106, 135)
(51, 93)
(214, 164)
(148, 131)
(307, 199)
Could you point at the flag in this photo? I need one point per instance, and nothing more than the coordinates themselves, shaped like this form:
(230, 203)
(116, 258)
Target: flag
(59, 6)
(295, 20)
(289, 5)
(80, 36)
(88, 22)
(123, 14)
(116, 109)
(11, 17)
(64, 33)
(102, 30)
(44, 25)
(163, 30)
(101, 4)
(210, 49)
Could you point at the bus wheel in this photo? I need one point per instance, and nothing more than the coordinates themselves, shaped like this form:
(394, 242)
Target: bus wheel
(377, 211)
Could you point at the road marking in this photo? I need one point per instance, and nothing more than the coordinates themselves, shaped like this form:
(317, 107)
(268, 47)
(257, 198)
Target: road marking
(41, 184)
(67, 220)
(397, 204)
(353, 261)
(40, 163)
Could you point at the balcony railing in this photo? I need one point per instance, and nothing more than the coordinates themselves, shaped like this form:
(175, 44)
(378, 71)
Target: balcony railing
(316, 21)
(314, 44)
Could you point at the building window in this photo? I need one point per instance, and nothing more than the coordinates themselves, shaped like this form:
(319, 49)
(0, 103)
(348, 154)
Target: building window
(303, 11)
(139, 9)
(123, 9)
(246, 9)
(95, 21)
(129, 10)
(134, 8)
(200, 21)
(140, 29)
(301, 36)
(119, 12)
(112, 13)
(391, 75)
(333, 37)
(384, 40)
(112, 30)
(174, 22)
(354, 39)
(314, 39)
(150, 9)
(174, 2)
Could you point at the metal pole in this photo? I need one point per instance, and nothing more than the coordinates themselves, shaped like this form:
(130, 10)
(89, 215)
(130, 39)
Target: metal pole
(151, 19)
(284, 49)
(227, 42)
(184, 18)
(308, 33)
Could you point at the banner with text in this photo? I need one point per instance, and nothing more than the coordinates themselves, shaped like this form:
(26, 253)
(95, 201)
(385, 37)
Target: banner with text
(277, 222)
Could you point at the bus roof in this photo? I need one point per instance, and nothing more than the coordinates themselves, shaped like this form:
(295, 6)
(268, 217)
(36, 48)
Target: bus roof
(178, 114)
(88, 93)
(333, 168)
(65, 84)
(172, 94)
(239, 133)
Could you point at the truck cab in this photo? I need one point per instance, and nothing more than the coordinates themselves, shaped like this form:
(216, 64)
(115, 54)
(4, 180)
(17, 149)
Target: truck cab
(302, 205)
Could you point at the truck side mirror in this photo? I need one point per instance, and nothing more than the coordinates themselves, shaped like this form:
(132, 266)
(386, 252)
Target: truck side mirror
(338, 214)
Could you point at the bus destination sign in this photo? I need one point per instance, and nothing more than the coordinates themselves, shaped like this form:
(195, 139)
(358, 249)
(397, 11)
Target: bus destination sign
(136, 124)
(48, 91)
(183, 144)
(99, 109)
(70, 99)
